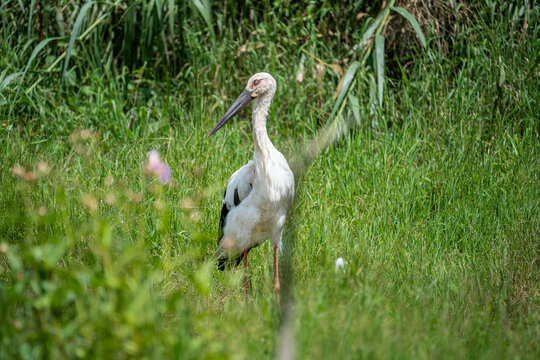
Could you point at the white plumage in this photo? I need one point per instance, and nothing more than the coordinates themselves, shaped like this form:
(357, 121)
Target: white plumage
(260, 193)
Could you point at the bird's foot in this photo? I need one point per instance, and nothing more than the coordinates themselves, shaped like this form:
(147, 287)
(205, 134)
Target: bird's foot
(245, 285)
(277, 290)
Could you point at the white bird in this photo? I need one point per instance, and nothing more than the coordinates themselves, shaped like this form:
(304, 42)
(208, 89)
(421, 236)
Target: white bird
(260, 193)
(340, 264)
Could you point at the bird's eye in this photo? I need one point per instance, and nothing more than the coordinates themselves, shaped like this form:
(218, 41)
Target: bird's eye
(256, 82)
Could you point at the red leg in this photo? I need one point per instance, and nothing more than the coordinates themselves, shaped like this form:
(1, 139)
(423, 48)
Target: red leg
(245, 281)
(276, 271)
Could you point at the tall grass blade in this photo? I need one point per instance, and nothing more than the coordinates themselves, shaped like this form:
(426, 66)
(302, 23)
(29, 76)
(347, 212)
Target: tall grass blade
(4, 82)
(403, 75)
(21, 5)
(74, 33)
(407, 15)
(533, 66)
(30, 18)
(379, 65)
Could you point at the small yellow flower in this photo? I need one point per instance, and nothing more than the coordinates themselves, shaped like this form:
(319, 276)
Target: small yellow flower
(18, 171)
(86, 134)
(30, 176)
(90, 202)
(109, 180)
(187, 203)
(110, 199)
(159, 204)
(43, 168)
(74, 137)
(195, 216)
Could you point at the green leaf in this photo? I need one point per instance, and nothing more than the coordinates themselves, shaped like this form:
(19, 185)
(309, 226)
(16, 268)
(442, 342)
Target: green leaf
(74, 33)
(14, 261)
(347, 80)
(407, 15)
(371, 29)
(372, 94)
(52, 253)
(104, 232)
(367, 30)
(379, 65)
(202, 279)
(355, 106)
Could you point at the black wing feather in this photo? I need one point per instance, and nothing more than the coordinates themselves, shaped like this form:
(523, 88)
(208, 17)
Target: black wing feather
(222, 261)
(236, 197)
(222, 220)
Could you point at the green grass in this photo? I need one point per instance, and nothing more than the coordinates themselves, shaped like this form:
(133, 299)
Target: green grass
(432, 200)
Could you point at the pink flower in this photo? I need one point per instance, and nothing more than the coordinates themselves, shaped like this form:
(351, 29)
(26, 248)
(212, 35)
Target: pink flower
(155, 166)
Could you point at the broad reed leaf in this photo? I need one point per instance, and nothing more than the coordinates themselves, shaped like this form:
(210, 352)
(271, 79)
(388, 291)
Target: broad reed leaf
(379, 65)
(373, 27)
(205, 9)
(336, 68)
(407, 15)
(372, 93)
(74, 34)
(158, 6)
(338, 89)
(36, 51)
(355, 106)
(171, 15)
(347, 80)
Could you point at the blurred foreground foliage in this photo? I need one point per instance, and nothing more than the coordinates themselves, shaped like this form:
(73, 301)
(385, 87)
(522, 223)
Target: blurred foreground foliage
(81, 275)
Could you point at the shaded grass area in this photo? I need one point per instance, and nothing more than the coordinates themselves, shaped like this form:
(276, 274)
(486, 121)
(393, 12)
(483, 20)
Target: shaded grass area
(433, 203)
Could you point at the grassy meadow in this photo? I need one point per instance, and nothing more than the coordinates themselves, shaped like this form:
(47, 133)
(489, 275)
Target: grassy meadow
(430, 194)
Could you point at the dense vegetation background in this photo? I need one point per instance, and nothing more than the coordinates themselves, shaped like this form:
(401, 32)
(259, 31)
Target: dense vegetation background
(430, 189)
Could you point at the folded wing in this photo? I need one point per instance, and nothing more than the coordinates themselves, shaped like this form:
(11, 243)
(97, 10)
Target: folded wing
(238, 188)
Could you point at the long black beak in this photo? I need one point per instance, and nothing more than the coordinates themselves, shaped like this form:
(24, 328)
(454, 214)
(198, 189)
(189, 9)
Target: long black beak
(239, 104)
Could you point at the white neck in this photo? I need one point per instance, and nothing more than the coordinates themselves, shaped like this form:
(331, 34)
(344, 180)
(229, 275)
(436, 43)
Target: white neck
(263, 145)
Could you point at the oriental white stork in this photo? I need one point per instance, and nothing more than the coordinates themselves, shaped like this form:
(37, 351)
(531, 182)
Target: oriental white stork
(260, 193)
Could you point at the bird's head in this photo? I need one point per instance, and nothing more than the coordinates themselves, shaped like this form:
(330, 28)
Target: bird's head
(258, 85)
(261, 84)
